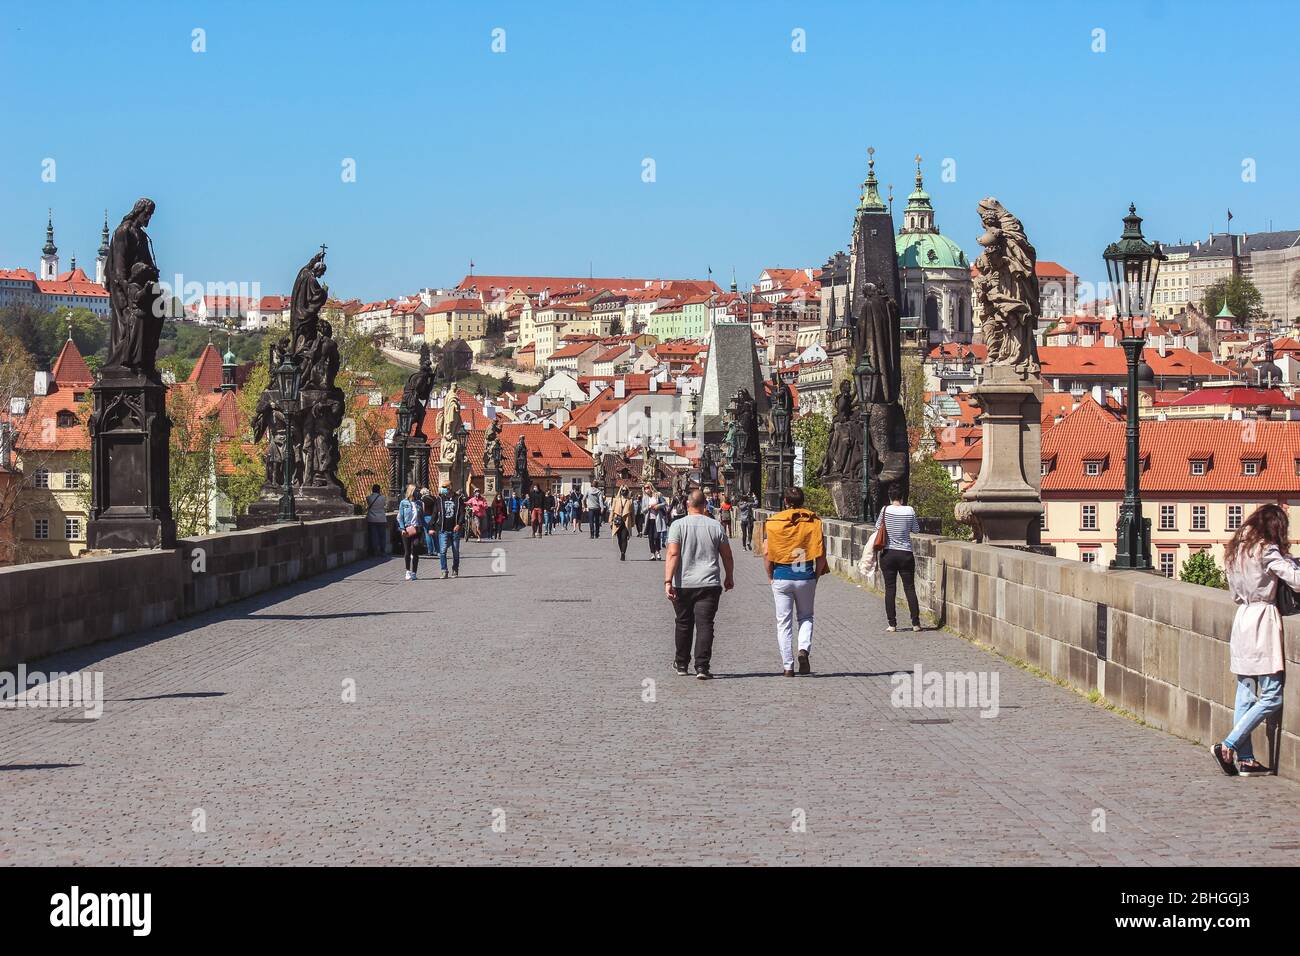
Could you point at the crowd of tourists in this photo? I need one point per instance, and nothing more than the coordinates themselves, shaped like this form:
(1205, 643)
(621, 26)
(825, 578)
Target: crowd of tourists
(691, 534)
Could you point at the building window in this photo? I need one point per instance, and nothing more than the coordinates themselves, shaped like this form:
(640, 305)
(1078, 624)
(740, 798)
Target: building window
(1234, 517)
(1167, 563)
(72, 529)
(1042, 520)
(1088, 520)
(1168, 518)
(1200, 517)
(1092, 468)
(1198, 467)
(41, 478)
(1250, 466)
(71, 479)
(41, 529)
(1088, 555)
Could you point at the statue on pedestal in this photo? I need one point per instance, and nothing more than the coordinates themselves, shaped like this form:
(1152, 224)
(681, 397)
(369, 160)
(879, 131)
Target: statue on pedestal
(521, 465)
(302, 436)
(449, 427)
(1003, 505)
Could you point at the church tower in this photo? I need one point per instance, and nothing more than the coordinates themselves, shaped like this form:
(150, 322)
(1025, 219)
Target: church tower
(871, 251)
(101, 260)
(919, 214)
(49, 252)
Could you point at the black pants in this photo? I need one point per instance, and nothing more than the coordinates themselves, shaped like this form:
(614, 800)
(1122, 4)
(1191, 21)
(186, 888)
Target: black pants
(594, 518)
(410, 552)
(621, 536)
(695, 609)
(747, 535)
(893, 564)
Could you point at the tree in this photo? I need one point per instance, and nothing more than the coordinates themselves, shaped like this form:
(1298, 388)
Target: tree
(1244, 300)
(507, 384)
(16, 374)
(1201, 569)
(913, 397)
(1295, 284)
(246, 470)
(934, 494)
(193, 461)
(813, 431)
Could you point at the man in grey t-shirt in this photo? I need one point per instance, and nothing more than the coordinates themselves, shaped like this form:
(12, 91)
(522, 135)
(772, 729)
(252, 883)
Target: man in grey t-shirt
(698, 569)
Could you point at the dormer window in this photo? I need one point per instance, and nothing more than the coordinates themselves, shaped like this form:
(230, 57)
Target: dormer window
(67, 419)
(1199, 466)
(1250, 466)
(1094, 465)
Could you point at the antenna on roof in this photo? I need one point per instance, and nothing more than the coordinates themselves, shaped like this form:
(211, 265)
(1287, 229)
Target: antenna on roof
(69, 325)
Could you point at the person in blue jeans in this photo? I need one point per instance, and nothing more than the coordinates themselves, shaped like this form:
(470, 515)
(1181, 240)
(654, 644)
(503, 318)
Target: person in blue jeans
(428, 514)
(1257, 562)
(450, 517)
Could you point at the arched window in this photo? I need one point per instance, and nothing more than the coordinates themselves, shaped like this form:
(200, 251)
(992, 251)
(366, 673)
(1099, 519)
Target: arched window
(931, 312)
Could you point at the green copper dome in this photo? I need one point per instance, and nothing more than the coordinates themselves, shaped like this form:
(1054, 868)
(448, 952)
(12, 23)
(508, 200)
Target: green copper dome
(229, 358)
(928, 250)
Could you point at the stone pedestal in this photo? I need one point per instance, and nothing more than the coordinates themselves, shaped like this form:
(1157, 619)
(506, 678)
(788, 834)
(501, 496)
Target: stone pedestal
(408, 464)
(130, 481)
(492, 485)
(313, 503)
(1004, 505)
(846, 495)
(778, 475)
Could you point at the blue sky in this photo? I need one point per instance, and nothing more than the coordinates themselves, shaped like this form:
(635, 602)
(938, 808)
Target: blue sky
(530, 161)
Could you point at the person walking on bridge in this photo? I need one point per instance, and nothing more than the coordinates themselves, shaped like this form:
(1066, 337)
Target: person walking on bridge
(595, 508)
(699, 568)
(620, 520)
(897, 558)
(410, 524)
(795, 555)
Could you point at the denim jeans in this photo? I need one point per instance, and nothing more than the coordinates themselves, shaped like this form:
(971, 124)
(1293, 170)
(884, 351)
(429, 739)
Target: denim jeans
(546, 522)
(594, 519)
(449, 539)
(429, 535)
(1258, 698)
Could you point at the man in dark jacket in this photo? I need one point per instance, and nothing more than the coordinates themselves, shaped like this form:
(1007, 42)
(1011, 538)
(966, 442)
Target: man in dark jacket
(450, 518)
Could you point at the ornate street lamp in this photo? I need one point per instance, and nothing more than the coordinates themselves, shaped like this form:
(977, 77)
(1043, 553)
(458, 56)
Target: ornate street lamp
(1132, 265)
(779, 419)
(286, 377)
(863, 373)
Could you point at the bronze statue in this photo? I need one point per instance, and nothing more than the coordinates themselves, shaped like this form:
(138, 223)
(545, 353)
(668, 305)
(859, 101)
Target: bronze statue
(416, 391)
(1006, 290)
(843, 458)
(306, 301)
(492, 448)
(135, 300)
(879, 361)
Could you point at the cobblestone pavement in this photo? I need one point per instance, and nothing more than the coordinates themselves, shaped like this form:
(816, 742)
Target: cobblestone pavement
(514, 695)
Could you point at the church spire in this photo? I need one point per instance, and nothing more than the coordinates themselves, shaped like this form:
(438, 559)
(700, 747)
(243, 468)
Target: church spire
(871, 201)
(103, 237)
(50, 249)
(49, 252)
(101, 260)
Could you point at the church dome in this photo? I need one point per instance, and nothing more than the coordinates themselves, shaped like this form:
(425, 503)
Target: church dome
(928, 250)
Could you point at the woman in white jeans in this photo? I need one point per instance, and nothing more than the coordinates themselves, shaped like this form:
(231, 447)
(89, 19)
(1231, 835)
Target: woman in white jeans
(795, 555)
(1258, 563)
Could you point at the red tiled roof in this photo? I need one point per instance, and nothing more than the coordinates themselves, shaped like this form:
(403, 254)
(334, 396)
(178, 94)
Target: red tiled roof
(1240, 396)
(1090, 432)
(1047, 269)
(206, 373)
(1100, 360)
(70, 368)
(456, 305)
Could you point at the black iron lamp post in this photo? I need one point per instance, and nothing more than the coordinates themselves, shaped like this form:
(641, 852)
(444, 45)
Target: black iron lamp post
(780, 419)
(1132, 265)
(286, 377)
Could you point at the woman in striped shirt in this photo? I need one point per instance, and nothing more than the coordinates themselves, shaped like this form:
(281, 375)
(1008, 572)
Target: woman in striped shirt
(897, 559)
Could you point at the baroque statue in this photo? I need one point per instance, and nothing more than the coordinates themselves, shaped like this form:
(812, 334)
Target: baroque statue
(843, 457)
(492, 448)
(302, 436)
(135, 299)
(1006, 290)
(416, 391)
(876, 338)
(449, 426)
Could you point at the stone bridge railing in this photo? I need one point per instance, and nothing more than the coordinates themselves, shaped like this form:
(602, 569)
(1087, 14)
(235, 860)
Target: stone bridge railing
(1155, 647)
(54, 606)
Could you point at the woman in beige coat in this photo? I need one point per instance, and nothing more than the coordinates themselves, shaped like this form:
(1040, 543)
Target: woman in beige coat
(1258, 562)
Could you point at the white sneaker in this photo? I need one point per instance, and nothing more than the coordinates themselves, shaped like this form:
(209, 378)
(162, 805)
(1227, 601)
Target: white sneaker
(891, 629)
(408, 575)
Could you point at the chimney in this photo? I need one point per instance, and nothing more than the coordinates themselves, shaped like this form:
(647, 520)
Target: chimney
(1097, 395)
(620, 388)
(41, 383)
(654, 384)
(1110, 341)
(1161, 348)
